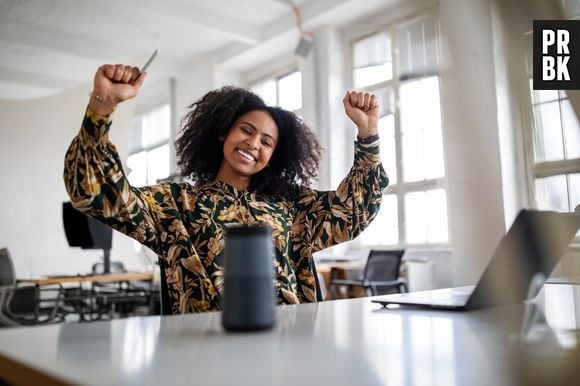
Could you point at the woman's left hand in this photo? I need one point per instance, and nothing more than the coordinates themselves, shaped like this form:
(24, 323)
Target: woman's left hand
(363, 110)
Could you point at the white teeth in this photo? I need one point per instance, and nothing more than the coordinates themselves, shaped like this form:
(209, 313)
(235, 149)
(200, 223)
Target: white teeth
(246, 155)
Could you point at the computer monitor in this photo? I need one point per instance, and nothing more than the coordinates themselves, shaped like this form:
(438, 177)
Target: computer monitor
(87, 233)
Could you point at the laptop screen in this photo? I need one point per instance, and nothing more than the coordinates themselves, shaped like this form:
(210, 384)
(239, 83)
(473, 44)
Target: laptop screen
(534, 244)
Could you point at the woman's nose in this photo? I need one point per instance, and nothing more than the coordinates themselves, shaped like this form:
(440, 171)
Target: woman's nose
(254, 142)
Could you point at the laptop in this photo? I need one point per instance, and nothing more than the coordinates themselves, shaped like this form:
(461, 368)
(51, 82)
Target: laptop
(531, 248)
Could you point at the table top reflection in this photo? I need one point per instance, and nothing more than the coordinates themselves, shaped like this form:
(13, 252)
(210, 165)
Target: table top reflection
(344, 342)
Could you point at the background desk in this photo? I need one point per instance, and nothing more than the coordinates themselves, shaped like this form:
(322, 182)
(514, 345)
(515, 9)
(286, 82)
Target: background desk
(344, 342)
(104, 290)
(109, 278)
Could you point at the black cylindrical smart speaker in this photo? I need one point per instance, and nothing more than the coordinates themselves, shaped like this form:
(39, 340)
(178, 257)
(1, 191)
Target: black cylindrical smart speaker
(248, 301)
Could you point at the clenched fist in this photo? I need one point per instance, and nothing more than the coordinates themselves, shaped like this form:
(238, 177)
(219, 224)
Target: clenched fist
(363, 110)
(113, 84)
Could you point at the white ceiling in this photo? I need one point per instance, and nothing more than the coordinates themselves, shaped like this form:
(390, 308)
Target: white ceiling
(50, 46)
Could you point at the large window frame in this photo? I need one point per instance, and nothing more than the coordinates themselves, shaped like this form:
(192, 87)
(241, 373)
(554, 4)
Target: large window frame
(276, 81)
(401, 189)
(137, 148)
(541, 166)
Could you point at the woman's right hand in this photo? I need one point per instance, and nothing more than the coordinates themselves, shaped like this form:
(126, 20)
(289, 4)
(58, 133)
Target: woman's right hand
(113, 84)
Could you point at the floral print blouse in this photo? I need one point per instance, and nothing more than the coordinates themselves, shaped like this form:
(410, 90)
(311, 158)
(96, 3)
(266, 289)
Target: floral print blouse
(184, 223)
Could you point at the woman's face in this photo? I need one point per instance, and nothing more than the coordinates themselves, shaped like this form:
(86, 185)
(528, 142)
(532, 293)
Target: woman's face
(250, 143)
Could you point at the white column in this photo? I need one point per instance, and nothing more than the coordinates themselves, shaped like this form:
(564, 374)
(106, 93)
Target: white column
(329, 59)
(471, 136)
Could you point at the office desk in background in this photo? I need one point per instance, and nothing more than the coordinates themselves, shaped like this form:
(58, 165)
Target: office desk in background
(105, 278)
(344, 342)
(103, 290)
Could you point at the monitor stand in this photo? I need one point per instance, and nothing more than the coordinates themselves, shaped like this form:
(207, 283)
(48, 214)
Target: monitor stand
(107, 261)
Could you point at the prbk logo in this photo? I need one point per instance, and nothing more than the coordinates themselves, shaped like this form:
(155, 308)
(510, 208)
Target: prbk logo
(557, 54)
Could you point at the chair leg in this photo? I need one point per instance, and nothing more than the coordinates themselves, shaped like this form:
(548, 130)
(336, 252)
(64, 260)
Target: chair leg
(373, 289)
(403, 288)
(333, 290)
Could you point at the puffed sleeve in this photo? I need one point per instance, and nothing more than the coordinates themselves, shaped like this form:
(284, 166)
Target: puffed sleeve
(326, 218)
(97, 185)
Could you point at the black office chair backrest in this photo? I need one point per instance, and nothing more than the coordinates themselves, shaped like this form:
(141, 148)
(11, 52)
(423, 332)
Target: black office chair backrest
(165, 304)
(383, 265)
(7, 275)
(319, 297)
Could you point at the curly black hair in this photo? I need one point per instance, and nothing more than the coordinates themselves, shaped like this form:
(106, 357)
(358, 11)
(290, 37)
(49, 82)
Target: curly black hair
(199, 150)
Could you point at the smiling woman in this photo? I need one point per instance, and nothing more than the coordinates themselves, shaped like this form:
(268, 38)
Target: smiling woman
(250, 164)
(232, 135)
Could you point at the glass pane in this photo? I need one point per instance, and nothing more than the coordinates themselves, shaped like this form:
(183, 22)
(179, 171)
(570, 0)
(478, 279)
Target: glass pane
(437, 228)
(541, 96)
(388, 149)
(433, 155)
(386, 101)
(548, 133)
(571, 130)
(157, 164)
(267, 91)
(552, 193)
(429, 104)
(384, 230)
(421, 127)
(372, 60)
(415, 218)
(367, 76)
(137, 164)
(410, 107)
(290, 91)
(135, 139)
(156, 126)
(413, 157)
(372, 50)
(418, 46)
(574, 191)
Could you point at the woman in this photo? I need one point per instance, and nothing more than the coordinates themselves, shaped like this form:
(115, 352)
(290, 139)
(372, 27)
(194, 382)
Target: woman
(250, 163)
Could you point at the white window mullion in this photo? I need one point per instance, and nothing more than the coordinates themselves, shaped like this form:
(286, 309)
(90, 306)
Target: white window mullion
(398, 143)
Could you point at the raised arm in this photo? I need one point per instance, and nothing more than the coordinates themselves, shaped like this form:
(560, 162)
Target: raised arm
(324, 219)
(93, 173)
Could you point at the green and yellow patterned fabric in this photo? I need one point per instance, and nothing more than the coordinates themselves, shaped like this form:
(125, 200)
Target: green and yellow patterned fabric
(184, 223)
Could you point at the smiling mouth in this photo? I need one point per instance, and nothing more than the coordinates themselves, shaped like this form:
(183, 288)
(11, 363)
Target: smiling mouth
(246, 155)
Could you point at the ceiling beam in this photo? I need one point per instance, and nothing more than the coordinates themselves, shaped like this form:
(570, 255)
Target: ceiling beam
(33, 79)
(83, 47)
(310, 12)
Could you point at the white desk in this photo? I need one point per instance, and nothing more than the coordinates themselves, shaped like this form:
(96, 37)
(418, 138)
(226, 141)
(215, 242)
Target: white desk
(344, 342)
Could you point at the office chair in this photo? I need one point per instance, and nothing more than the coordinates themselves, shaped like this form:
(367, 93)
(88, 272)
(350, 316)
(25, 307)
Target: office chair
(380, 275)
(23, 305)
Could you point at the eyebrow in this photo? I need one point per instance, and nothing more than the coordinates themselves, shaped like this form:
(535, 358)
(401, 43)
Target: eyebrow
(254, 127)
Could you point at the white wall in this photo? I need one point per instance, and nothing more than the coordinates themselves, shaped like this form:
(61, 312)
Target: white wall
(35, 135)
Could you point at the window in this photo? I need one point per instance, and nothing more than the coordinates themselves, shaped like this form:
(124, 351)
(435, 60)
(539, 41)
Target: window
(149, 158)
(414, 208)
(372, 60)
(555, 155)
(284, 91)
(553, 135)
